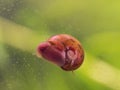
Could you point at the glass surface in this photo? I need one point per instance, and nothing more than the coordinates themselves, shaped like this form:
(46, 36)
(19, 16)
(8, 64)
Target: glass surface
(26, 23)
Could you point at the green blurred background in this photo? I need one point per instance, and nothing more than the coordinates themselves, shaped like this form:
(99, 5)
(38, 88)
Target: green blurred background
(26, 23)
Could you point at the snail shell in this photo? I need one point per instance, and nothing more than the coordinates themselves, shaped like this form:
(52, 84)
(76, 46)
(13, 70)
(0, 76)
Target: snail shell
(62, 50)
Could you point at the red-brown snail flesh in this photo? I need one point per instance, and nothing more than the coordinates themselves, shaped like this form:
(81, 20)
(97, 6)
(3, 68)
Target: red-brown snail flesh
(62, 50)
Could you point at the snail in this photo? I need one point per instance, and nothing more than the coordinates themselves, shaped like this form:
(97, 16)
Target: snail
(63, 50)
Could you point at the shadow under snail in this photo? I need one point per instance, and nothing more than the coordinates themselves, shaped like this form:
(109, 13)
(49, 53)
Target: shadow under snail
(62, 50)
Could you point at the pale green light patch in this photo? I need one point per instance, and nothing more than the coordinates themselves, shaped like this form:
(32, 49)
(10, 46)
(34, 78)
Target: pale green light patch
(106, 74)
(100, 71)
(20, 36)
